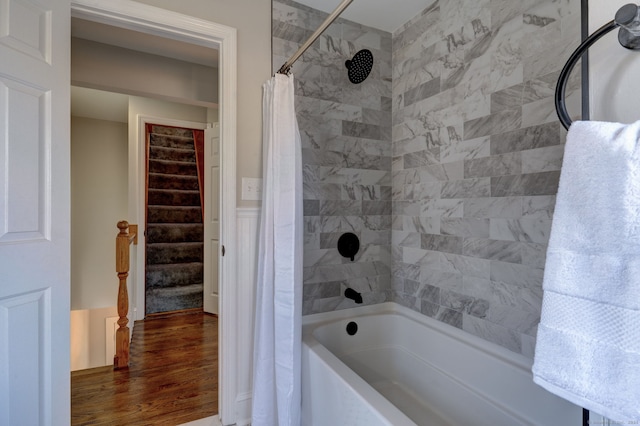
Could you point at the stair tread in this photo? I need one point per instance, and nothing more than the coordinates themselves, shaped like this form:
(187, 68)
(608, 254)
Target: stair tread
(169, 148)
(193, 243)
(181, 191)
(165, 161)
(174, 265)
(165, 207)
(173, 175)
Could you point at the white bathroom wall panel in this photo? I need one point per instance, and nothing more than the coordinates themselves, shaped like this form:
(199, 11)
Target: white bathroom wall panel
(613, 70)
(247, 225)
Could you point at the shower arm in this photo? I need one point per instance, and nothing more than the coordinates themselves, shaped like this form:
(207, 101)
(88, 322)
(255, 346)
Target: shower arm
(286, 67)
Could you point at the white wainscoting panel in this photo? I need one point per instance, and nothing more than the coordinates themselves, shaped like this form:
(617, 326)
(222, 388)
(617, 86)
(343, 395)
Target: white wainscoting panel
(248, 222)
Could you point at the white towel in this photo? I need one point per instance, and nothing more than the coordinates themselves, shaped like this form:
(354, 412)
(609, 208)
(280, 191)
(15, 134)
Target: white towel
(588, 342)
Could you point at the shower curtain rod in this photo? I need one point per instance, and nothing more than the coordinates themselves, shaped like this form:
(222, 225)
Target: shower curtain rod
(286, 67)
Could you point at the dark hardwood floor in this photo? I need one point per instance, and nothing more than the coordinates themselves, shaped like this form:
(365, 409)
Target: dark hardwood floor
(172, 376)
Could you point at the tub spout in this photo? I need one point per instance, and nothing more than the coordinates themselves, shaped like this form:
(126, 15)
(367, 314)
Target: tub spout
(350, 293)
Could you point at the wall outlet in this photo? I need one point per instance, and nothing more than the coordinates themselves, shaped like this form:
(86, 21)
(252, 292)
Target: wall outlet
(251, 188)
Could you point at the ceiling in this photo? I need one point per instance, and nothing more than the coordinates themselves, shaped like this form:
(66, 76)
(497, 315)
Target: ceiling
(382, 14)
(134, 40)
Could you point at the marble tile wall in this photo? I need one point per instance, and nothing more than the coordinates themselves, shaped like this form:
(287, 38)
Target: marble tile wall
(477, 151)
(445, 161)
(346, 153)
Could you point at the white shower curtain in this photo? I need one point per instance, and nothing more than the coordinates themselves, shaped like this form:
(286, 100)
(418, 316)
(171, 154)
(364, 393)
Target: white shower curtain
(278, 322)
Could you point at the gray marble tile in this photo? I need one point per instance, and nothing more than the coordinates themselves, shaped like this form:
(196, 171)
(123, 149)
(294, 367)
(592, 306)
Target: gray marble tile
(495, 165)
(531, 230)
(321, 290)
(504, 207)
(422, 191)
(407, 271)
(528, 345)
(360, 130)
(505, 251)
(405, 239)
(516, 319)
(322, 256)
(508, 98)
(449, 316)
(539, 207)
(441, 243)
(420, 224)
(520, 275)
(467, 188)
(421, 158)
(492, 332)
(441, 279)
(545, 183)
(376, 207)
(542, 159)
(465, 150)
(441, 208)
(463, 303)
(339, 208)
(465, 265)
(528, 138)
(321, 191)
(465, 227)
(493, 124)
(329, 240)
(533, 254)
(421, 92)
(311, 207)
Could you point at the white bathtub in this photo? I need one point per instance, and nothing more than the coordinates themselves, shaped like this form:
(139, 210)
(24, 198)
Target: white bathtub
(402, 368)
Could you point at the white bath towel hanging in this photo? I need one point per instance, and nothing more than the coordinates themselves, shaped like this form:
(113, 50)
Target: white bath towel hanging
(588, 342)
(277, 361)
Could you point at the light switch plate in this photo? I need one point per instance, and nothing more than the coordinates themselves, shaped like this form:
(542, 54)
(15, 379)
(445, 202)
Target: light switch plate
(251, 188)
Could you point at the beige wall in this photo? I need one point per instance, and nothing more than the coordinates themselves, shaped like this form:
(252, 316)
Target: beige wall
(98, 202)
(102, 66)
(89, 337)
(252, 19)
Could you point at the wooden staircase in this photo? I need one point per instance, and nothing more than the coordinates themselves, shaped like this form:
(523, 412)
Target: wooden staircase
(174, 243)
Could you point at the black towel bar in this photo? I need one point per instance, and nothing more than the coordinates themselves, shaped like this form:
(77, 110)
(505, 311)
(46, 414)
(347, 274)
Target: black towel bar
(628, 19)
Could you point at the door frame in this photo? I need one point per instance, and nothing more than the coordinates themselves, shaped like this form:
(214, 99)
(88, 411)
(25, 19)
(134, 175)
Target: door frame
(164, 23)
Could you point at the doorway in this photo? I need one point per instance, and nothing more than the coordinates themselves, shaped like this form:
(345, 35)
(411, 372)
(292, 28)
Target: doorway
(172, 26)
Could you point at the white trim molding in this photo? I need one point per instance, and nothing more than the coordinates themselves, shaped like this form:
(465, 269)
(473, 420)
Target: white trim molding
(248, 226)
(164, 23)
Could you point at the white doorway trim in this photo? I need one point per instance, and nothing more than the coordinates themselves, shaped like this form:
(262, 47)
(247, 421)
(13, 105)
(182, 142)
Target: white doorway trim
(152, 20)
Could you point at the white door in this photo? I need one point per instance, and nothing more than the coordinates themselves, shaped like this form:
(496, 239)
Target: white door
(211, 217)
(34, 212)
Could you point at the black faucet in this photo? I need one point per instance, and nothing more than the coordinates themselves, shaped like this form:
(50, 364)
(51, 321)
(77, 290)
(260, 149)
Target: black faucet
(350, 293)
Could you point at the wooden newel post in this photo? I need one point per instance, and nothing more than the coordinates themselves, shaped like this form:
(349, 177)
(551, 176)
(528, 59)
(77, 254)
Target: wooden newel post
(121, 358)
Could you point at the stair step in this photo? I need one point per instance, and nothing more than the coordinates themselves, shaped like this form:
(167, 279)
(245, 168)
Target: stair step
(173, 197)
(172, 167)
(174, 298)
(171, 141)
(161, 253)
(161, 181)
(163, 153)
(172, 214)
(175, 274)
(171, 131)
(175, 233)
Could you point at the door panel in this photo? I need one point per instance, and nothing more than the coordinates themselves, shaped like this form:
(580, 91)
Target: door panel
(34, 212)
(212, 218)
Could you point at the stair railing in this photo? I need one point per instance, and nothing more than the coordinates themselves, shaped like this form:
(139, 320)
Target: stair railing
(128, 234)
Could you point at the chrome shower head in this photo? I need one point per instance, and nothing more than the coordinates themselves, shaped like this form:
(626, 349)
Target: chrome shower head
(360, 66)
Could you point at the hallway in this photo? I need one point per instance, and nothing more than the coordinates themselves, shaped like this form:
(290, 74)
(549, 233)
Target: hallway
(172, 376)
